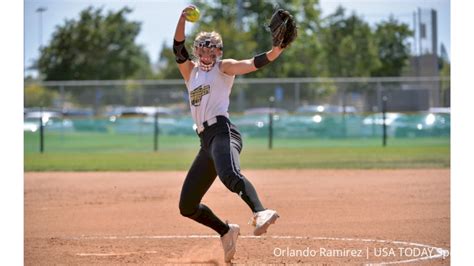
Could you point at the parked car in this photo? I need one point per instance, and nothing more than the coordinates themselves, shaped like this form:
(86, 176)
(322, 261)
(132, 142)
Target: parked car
(141, 120)
(377, 119)
(264, 110)
(327, 120)
(325, 108)
(138, 111)
(439, 110)
(423, 124)
(52, 120)
(420, 124)
(78, 112)
(372, 124)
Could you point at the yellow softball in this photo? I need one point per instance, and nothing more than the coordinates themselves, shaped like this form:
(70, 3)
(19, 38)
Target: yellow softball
(192, 15)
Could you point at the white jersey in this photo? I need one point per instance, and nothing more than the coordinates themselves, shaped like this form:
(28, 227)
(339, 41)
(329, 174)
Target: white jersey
(209, 93)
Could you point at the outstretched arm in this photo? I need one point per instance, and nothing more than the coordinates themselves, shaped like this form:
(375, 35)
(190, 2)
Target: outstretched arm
(284, 31)
(240, 67)
(185, 64)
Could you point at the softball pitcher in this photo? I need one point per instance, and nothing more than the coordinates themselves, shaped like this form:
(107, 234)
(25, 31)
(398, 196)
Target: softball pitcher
(209, 81)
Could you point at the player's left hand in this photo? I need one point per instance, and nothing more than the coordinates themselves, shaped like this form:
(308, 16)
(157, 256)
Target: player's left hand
(283, 28)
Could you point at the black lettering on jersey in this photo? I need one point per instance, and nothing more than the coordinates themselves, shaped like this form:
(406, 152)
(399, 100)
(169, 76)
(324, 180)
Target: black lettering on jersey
(197, 93)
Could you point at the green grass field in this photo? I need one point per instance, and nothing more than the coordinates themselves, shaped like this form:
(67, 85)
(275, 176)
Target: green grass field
(109, 152)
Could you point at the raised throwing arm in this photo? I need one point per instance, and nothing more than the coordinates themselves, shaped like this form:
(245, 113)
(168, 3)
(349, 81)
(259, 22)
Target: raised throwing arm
(183, 59)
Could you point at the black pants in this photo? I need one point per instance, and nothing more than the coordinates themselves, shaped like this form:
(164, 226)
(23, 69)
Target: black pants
(221, 144)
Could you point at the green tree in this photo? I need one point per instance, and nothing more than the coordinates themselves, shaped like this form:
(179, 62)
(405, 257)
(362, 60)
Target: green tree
(97, 47)
(349, 46)
(245, 34)
(393, 50)
(167, 67)
(36, 96)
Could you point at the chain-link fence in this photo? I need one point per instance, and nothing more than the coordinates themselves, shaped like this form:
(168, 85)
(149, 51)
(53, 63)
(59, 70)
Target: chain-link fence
(405, 94)
(74, 112)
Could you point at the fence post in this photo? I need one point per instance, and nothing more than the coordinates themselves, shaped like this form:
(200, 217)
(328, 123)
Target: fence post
(379, 96)
(297, 95)
(344, 126)
(384, 124)
(41, 130)
(63, 97)
(155, 135)
(270, 123)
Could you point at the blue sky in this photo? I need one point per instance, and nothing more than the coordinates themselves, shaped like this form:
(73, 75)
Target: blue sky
(159, 18)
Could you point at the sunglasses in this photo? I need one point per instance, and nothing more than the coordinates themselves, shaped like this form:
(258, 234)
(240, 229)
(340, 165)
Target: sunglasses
(207, 44)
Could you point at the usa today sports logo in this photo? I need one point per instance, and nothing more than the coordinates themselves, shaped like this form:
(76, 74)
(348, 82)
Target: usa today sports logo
(405, 252)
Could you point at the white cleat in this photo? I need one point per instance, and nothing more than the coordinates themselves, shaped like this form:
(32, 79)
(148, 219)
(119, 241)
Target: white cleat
(229, 242)
(262, 220)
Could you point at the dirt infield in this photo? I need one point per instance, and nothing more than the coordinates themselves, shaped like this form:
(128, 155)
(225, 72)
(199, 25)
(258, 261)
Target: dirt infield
(327, 217)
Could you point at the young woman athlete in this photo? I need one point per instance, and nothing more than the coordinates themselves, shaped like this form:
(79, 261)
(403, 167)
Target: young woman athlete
(209, 81)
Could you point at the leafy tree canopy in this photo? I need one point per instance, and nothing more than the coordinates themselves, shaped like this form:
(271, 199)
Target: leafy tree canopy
(350, 49)
(245, 35)
(393, 51)
(95, 47)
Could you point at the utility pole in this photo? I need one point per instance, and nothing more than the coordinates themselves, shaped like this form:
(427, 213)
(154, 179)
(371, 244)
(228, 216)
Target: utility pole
(40, 10)
(239, 14)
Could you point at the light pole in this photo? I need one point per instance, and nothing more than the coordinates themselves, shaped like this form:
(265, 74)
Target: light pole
(40, 10)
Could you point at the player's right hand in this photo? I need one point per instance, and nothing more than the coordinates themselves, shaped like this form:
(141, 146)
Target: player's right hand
(185, 10)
